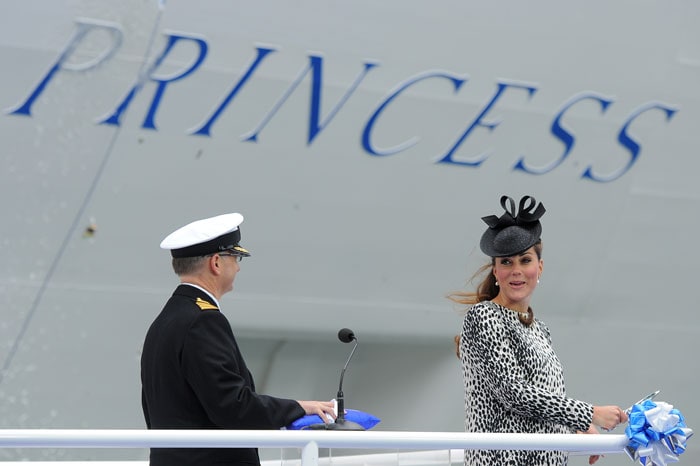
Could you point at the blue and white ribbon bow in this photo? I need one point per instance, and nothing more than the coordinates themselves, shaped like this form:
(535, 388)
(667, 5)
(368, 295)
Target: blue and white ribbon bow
(657, 433)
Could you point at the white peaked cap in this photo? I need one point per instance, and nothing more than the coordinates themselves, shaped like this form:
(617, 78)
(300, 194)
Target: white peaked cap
(206, 236)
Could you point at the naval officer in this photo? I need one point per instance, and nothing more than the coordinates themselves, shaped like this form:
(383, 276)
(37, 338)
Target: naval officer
(193, 374)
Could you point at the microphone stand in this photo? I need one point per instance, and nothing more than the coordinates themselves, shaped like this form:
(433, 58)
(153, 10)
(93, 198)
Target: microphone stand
(340, 422)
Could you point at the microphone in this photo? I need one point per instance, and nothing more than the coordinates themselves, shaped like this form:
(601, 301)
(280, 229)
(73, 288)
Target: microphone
(346, 336)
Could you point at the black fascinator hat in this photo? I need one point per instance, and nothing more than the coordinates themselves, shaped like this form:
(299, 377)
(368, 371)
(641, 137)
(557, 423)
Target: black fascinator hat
(514, 231)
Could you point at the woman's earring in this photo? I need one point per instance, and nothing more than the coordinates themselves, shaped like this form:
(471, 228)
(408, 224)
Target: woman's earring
(496, 283)
(538, 280)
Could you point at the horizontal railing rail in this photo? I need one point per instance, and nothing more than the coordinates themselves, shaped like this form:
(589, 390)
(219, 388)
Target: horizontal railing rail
(308, 441)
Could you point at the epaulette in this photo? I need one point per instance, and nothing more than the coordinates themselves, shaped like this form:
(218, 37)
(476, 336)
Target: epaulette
(204, 305)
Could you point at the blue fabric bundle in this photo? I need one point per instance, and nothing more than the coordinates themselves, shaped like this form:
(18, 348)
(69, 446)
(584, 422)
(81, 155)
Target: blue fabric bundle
(366, 420)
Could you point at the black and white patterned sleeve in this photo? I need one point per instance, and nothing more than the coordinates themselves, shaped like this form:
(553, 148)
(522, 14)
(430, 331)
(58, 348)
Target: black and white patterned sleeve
(486, 343)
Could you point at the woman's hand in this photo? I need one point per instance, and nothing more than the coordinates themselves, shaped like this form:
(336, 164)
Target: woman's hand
(591, 430)
(608, 417)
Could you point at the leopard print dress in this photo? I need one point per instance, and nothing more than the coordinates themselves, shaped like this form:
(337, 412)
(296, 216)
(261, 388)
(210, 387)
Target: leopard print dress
(514, 383)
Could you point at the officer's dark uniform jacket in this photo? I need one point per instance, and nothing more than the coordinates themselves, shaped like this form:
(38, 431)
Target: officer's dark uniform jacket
(194, 377)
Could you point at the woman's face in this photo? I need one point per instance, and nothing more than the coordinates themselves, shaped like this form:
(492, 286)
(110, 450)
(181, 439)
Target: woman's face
(517, 278)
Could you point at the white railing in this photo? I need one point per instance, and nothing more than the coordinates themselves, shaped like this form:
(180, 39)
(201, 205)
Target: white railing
(308, 441)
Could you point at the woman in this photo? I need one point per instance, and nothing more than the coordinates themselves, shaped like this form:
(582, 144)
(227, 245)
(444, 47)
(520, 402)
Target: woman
(512, 377)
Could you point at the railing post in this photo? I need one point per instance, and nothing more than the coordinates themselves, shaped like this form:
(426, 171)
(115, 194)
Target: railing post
(309, 454)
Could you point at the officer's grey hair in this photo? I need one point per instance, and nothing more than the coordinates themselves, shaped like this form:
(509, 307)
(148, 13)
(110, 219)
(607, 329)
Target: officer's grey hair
(187, 265)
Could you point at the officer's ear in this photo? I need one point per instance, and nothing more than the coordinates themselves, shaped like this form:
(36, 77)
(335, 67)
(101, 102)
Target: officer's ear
(213, 264)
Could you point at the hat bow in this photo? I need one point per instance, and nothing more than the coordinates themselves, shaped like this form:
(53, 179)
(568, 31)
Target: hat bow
(526, 213)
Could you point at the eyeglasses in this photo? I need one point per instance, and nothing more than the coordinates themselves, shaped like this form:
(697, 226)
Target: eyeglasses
(237, 257)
